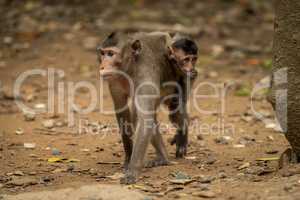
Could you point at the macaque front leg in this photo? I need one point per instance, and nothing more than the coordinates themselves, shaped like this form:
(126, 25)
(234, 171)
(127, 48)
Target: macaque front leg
(145, 129)
(124, 121)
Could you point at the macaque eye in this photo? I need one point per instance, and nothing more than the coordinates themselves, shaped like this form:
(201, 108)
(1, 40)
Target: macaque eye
(186, 60)
(110, 53)
(102, 53)
(194, 59)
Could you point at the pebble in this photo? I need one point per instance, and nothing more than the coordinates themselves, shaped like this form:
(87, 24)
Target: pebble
(222, 175)
(211, 160)
(272, 151)
(60, 124)
(29, 116)
(40, 106)
(270, 138)
(19, 131)
(29, 145)
(55, 152)
(85, 150)
(246, 140)
(206, 179)
(25, 181)
(18, 173)
(204, 194)
(48, 123)
(222, 139)
(200, 137)
(239, 146)
(244, 166)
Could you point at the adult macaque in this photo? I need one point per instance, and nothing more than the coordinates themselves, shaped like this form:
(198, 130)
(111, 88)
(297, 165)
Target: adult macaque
(146, 65)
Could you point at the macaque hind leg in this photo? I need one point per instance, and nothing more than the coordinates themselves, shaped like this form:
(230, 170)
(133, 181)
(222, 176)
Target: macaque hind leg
(179, 118)
(288, 157)
(161, 152)
(145, 129)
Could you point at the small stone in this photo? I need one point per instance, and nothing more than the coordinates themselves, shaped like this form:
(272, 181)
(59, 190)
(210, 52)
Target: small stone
(222, 140)
(40, 106)
(200, 137)
(272, 151)
(211, 160)
(222, 175)
(60, 124)
(244, 166)
(239, 146)
(32, 173)
(288, 187)
(24, 181)
(271, 125)
(48, 123)
(29, 145)
(204, 194)
(55, 152)
(206, 179)
(19, 131)
(18, 173)
(270, 138)
(246, 140)
(203, 187)
(29, 116)
(179, 195)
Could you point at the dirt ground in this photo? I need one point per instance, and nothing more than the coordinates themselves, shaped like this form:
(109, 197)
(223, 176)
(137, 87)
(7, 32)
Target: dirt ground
(230, 156)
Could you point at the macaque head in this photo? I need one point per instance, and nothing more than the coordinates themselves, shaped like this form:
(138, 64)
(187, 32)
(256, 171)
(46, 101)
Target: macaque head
(109, 55)
(183, 53)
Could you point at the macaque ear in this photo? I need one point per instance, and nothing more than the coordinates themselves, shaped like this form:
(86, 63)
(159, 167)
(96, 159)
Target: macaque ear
(111, 35)
(170, 52)
(136, 47)
(98, 48)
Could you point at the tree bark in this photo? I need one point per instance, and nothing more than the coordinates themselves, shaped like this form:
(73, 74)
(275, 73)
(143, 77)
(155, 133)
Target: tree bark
(285, 85)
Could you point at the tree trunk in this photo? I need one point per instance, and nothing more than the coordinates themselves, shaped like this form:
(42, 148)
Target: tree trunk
(285, 90)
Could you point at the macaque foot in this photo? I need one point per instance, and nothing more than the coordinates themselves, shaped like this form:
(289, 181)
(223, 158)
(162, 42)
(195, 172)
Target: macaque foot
(181, 146)
(288, 157)
(126, 166)
(181, 151)
(156, 163)
(128, 179)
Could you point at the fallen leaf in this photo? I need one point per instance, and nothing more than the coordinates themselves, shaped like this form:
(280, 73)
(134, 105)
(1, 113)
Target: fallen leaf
(54, 159)
(108, 163)
(268, 159)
